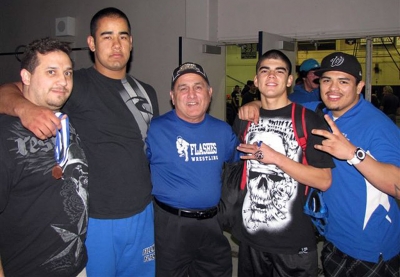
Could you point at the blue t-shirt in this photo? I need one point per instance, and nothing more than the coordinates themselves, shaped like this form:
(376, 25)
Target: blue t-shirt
(364, 222)
(186, 159)
(300, 95)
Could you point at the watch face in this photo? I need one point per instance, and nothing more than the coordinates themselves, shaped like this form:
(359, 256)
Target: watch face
(360, 154)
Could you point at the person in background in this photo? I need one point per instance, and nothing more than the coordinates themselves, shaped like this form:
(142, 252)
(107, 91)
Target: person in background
(43, 200)
(375, 100)
(246, 87)
(187, 148)
(308, 89)
(120, 239)
(277, 238)
(252, 94)
(390, 103)
(232, 106)
(236, 97)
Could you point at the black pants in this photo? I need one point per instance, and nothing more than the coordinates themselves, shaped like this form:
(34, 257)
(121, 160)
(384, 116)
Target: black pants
(255, 263)
(189, 246)
(338, 264)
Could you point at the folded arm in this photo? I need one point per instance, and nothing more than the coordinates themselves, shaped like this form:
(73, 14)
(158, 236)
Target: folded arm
(320, 178)
(39, 120)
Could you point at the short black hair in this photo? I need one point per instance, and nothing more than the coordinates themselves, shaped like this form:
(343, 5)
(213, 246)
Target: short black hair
(107, 12)
(43, 46)
(277, 55)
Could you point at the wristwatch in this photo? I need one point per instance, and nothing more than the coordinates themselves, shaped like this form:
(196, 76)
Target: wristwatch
(359, 156)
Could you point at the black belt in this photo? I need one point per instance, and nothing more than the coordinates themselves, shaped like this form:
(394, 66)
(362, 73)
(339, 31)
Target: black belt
(203, 214)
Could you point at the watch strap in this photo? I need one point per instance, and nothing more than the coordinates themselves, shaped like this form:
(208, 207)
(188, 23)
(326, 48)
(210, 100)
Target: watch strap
(356, 160)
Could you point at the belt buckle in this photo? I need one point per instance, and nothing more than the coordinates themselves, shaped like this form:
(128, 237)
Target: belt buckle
(202, 215)
(205, 214)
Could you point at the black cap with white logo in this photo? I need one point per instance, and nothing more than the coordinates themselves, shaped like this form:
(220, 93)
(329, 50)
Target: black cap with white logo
(188, 68)
(343, 62)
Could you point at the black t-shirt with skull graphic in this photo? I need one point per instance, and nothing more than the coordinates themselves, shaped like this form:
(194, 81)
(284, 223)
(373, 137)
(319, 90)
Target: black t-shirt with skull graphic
(272, 214)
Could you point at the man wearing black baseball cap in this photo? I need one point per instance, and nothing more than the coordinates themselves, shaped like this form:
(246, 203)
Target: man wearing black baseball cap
(188, 68)
(186, 148)
(343, 62)
(347, 67)
(363, 231)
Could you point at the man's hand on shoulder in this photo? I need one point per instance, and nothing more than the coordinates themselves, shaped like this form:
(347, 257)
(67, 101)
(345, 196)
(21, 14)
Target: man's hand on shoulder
(40, 121)
(250, 111)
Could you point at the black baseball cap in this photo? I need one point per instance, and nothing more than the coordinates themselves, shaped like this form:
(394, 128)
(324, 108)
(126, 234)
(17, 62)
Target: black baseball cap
(343, 62)
(185, 68)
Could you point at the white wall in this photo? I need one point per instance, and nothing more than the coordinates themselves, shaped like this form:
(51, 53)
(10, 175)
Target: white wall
(156, 27)
(157, 24)
(308, 19)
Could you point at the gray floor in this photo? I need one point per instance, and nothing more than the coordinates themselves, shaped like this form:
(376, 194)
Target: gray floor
(234, 249)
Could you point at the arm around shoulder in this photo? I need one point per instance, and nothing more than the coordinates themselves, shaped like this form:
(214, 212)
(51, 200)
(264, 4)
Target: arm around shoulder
(10, 97)
(250, 111)
(39, 120)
